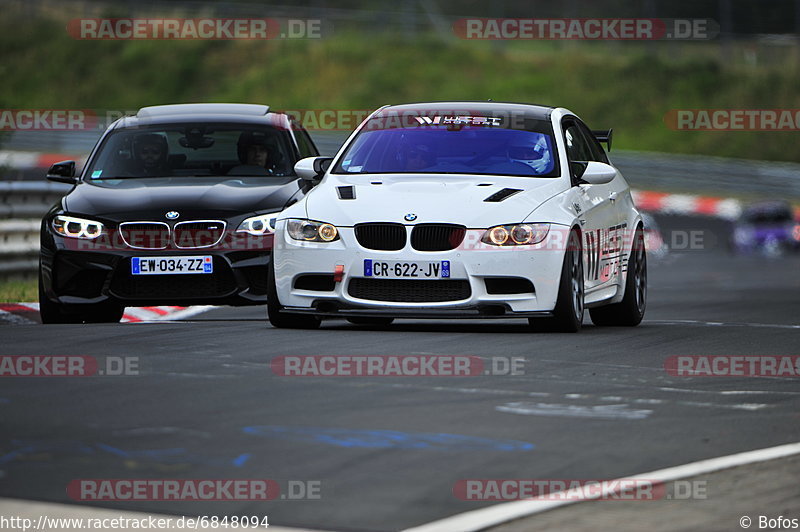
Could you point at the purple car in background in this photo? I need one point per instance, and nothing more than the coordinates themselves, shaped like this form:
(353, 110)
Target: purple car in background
(768, 228)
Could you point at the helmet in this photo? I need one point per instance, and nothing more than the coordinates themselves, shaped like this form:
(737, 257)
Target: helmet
(150, 139)
(537, 156)
(422, 155)
(250, 138)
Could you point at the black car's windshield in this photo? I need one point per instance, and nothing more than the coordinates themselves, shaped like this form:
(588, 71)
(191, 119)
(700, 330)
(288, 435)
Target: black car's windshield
(453, 144)
(769, 216)
(187, 150)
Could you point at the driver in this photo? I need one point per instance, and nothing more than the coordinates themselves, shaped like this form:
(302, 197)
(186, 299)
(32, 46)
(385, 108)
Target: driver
(253, 150)
(150, 151)
(419, 157)
(536, 156)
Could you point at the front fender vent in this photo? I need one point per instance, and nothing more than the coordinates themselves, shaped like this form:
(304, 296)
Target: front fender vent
(500, 195)
(348, 192)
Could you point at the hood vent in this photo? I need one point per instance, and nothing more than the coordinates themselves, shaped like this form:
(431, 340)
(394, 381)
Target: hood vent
(500, 195)
(348, 192)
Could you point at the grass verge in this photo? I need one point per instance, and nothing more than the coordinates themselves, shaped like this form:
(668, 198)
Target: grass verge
(19, 291)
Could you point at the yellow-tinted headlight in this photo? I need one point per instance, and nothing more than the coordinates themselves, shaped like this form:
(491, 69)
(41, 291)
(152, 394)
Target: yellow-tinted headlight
(73, 227)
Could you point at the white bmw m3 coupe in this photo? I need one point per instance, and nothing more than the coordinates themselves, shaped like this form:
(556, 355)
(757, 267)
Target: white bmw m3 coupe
(462, 210)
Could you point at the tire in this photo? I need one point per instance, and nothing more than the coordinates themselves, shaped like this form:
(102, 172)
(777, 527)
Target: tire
(630, 311)
(103, 313)
(568, 313)
(375, 322)
(52, 312)
(279, 319)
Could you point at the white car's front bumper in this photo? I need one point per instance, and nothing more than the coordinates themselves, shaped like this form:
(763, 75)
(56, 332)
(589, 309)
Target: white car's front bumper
(472, 262)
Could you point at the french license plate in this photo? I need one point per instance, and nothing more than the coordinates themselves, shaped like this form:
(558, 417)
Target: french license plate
(172, 265)
(389, 269)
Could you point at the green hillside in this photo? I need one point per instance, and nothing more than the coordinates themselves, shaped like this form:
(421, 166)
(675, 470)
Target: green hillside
(627, 86)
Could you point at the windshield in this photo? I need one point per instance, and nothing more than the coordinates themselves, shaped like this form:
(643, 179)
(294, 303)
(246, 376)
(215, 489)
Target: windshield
(193, 150)
(777, 216)
(453, 149)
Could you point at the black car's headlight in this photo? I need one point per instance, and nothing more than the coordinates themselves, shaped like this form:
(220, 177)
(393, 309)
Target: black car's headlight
(263, 224)
(72, 227)
(515, 235)
(311, 231)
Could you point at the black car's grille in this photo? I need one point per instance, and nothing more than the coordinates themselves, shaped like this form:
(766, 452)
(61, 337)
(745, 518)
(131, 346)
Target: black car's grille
(198, 234)
(381, 236)
(217, 284)
(409, 291)
(145, 235)
(437, 237)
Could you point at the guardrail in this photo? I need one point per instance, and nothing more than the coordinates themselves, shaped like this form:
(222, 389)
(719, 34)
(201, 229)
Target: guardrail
(22, 205)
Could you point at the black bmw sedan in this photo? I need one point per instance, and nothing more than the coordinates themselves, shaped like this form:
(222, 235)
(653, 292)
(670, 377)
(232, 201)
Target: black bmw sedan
(175, 206)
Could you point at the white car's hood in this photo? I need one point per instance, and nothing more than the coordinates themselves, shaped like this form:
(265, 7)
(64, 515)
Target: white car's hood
(459, 199)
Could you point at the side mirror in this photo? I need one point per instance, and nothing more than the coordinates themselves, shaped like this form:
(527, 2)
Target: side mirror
(63, 172)
(312, 168)
(597, 173)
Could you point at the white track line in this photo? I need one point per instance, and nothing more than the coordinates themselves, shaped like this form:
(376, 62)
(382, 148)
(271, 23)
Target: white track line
(721, 324)
(484, 518)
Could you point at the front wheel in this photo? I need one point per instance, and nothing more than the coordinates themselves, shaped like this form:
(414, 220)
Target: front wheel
(568, 314)
(630, 311)
(278, 318)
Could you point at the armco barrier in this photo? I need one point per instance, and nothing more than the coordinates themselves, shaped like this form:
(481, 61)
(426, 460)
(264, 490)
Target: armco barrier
(22, 205)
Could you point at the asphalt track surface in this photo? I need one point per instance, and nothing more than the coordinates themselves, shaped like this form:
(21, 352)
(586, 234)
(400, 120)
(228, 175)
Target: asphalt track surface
(593, 405)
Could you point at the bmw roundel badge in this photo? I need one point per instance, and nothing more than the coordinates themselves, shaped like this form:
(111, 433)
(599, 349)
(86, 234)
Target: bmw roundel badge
(410, 217)
(171, 215)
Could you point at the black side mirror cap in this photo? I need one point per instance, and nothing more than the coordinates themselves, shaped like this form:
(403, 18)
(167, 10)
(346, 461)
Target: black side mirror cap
(63, 172)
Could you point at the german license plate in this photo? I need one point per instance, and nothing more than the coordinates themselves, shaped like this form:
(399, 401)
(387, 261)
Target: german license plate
(389, 269)
(172, 265)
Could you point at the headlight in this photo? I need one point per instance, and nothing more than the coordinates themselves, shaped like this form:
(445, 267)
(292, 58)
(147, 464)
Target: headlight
(310, 231)
(515, 235)
(72, 227)
(262, 224)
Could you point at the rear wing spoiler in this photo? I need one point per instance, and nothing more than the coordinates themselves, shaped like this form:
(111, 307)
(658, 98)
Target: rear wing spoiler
(603, 135)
